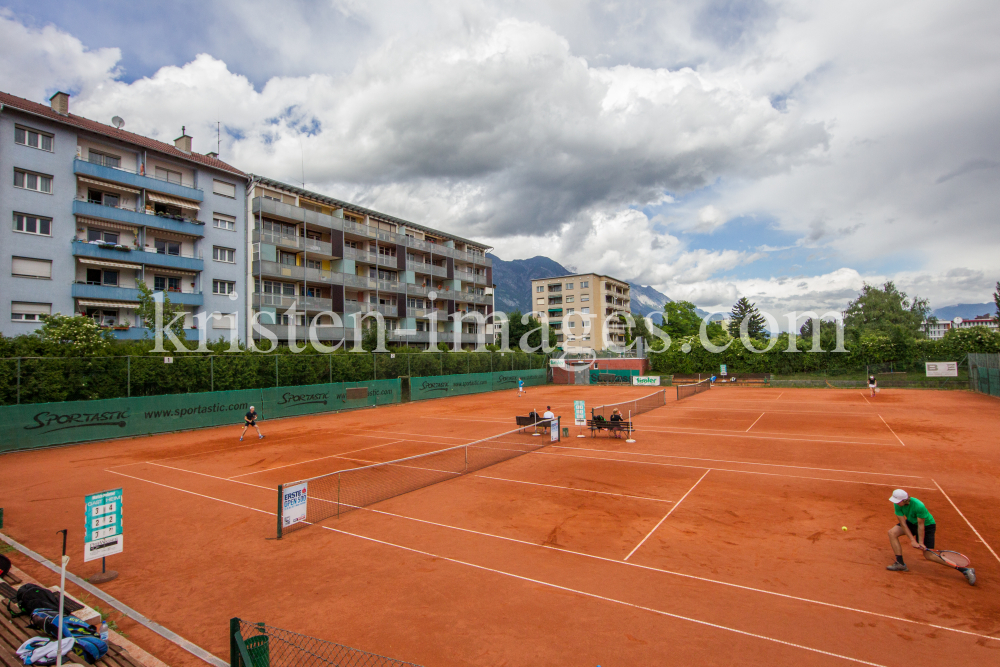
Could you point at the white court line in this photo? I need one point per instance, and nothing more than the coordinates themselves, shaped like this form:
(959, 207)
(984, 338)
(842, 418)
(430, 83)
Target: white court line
(746, 463)
(755, 422)
(865, 397)
(676, 505)
(465, 419)
(361, 431)
(600, 558)
(205, 474)
(605, 599)
(745, 472)
(890, 429)
(739, 434)
(787, 412)
(966, 520)
(780, 395)
(570, 488)
(288, 465)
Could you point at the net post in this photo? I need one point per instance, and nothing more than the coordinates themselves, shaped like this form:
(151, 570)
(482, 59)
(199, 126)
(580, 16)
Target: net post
(338, 495)
(234, 651)
(630, 429)
(466, 458)
(281, 495)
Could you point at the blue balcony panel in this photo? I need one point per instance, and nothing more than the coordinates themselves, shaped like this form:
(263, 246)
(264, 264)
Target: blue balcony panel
(131, 179)
(143, 333)
(109, 293)
(137, 257)
(90, 210)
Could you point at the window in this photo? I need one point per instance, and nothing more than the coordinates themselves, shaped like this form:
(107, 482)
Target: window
(33, 138)
(272, 287)
(224, 189)
(31, 181)
(102, 277)
(572, 324)
(585, 337)
(220, 254)
(388, 251)
(584, 284)
(288, 258)
(107, 318)
(31, 268)
(168, 175)
(351, 244)
(166, 284)
(30, 224)
(585, 310)
(569, 285)
(103, 198)
(540, 301)
(540, 288)
(165, 247)
(569, 299)
(224, 320)
(101, 236)
(314, 264)
(224, 222)
(29, 312)
(584, 297)
(105, 159)
(570, 310)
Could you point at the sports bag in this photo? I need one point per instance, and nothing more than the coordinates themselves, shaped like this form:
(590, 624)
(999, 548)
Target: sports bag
(4, 565)
(89, 644)
(42, 651)
(31, 597)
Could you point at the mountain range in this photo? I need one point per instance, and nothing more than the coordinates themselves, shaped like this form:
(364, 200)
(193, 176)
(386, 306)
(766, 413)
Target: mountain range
(966, 311)
(513, 285)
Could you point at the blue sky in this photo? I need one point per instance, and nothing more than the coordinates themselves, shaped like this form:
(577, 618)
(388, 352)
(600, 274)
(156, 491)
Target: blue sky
(788, 151)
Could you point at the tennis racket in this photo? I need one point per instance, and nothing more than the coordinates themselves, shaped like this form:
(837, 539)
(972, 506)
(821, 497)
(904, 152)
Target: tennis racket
(953, 558)
(878, 389)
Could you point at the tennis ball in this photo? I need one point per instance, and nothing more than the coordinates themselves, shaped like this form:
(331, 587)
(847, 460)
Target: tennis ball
(843, 528)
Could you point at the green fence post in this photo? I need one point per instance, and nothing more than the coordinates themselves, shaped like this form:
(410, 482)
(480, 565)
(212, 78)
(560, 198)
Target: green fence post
(19, 380)
(280, 495)
(276, 369)
(128, 366)
(234, 651)
(211, 371)
(329, 358)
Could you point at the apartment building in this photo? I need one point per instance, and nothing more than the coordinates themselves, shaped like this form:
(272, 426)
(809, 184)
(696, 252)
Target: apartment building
(937, 329)
(314, 256)
(92, 211)
(577, 307)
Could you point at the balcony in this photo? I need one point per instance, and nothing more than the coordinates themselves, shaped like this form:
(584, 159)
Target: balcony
(420, 244)
(294, 243)
(263, 267)
(388, 261)
(136, 218)
(419, 267)
(359, 255)
(361, 282)
(440, 271)
(390, 237)
(132, 179)
(359, 230)
(144, 333)
(467, 276)
(145, 258)
(130, 294)
(416, 290)
(352, 307)
(323, 333)
(283, 302)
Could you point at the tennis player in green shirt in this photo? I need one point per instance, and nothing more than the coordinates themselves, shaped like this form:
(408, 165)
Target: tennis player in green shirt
(916, 522)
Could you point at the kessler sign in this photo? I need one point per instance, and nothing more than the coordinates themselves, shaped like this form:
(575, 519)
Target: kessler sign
(646, 380)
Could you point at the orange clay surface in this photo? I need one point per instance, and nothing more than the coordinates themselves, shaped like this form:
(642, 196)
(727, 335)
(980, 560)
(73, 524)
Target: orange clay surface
(728, 509)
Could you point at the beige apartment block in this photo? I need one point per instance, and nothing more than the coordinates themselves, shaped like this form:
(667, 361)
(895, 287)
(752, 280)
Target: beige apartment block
(577, 307)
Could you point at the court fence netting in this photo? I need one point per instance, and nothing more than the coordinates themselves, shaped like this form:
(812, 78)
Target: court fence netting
(984, 373)
(634, 407)
(316, 499)
(686, 390)
(260, 645)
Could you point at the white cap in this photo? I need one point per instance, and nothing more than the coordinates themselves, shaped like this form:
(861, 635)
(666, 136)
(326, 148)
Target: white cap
(899, 496)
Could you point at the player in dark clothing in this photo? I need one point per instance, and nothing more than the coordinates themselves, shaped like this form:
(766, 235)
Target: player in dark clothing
(250, 419)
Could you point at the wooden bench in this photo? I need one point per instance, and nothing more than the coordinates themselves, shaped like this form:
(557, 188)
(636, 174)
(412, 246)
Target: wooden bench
(611, 378)
(526, 421)
(16, 631)
(613, 428)
(745, 380)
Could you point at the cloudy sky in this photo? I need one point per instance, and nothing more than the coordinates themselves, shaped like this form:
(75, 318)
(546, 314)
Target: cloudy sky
(785, 151)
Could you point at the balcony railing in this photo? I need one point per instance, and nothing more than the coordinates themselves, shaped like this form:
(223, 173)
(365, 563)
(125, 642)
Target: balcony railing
(360, 230)
(261, 299)
(361, 282)
(388, 261)
(359, 255)
(107, 171)
(417, 289)
(440, 271)
(263, 267)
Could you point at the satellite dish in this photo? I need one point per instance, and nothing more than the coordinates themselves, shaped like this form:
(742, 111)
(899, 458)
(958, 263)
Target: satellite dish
(118, 122)
(957, 320)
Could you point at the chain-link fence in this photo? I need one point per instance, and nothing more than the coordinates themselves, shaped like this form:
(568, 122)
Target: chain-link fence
(984, 373)
(55, 379)
(260, 645)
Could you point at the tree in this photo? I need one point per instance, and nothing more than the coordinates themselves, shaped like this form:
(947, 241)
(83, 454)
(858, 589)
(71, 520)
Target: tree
(75, 335)
(680, 319)
(996, 300)
(147, 311)
(744, 310)
(886, 310)
(517, 330)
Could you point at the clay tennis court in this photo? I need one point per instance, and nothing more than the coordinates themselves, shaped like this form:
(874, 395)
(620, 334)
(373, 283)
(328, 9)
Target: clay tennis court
(715, 538)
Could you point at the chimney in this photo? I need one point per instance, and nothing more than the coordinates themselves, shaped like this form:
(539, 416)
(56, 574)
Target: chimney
(60, 103)
(213, 154)
(183, 142)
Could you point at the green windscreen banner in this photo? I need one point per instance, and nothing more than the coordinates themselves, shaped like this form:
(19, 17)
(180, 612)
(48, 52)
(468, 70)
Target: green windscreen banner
(472, 383)
(45, 424)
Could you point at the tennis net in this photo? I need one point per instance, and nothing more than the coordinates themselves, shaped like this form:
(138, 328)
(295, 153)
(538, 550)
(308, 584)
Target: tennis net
(685, 390)
(309, 501)
(636, 407)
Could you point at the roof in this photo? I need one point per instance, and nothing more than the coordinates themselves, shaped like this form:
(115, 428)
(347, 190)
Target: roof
(578, 275)
(34, 108)
(354, 208)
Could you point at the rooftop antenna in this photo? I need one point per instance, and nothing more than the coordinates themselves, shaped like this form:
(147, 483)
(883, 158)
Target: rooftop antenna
(118, 122)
